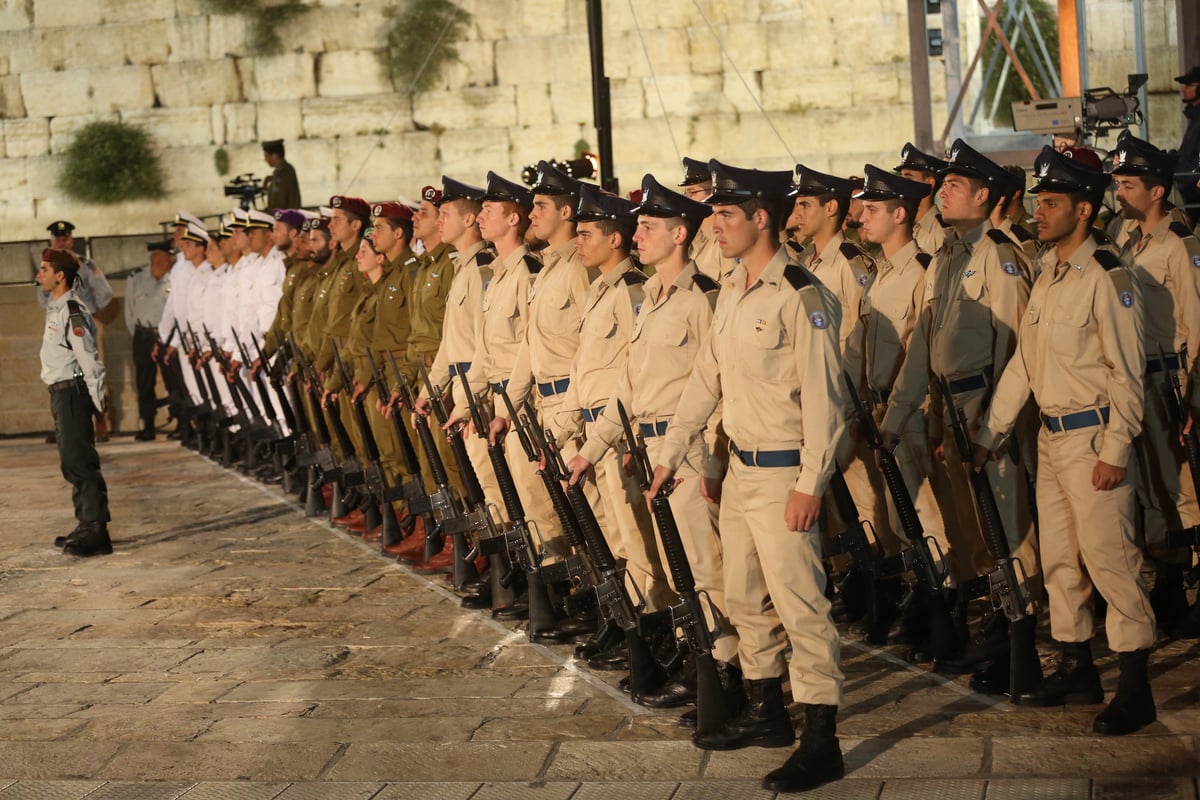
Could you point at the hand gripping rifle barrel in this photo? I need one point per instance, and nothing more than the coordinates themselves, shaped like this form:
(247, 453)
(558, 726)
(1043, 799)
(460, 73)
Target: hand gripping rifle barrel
(1172, 396)
(276, 379)
(458, 447)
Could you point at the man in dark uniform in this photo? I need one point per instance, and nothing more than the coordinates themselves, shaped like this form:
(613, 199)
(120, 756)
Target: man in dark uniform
(145, 297)
(283, 188)
(75, 375)
(1189, 148)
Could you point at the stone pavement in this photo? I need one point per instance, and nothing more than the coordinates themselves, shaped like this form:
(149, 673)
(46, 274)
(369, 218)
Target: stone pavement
(233, 649)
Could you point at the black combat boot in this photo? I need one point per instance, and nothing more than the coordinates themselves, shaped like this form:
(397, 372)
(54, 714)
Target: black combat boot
(851, 602)
(884, 608)
(90, 539)
(59, 541)
(677, 692)
(1132, 708)
(1075, 682)
(1168, 598)
(733, 691)
(764, 722)
(818, 759)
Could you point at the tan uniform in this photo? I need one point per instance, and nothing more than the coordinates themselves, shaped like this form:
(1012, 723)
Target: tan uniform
(1161, 261)
(1080, 353)
(607, 323)
(773, 358)
(304, 304)
(708, 258)
(1023, 239)
(669, 332)
(845, 270)
(976, 296)
(929, 231)
(891, 304)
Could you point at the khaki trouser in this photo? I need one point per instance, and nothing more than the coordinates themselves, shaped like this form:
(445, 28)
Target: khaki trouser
(477, 451)
(1089, 540)
(775, 586)
(442, 444)
(1165, 487)
(696, 519)
(385, 436)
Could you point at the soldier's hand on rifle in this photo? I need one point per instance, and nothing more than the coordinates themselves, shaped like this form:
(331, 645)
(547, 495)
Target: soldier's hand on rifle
(421, 405)
(167, 355)
(1106, 476)
(661, 476)
(453, 421)
(980, 455)
(1188, 423)
(801, 511)
(255, 367)
(155, 351)
(627, 464)
(710, 489)
(937, 449)
(359, 391)
(328, 397)
(497, 429)
(577, 467)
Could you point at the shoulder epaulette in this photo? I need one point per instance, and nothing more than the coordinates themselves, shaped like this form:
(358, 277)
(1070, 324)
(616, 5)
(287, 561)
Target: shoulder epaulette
(532, 264)
(483, 258)
(76, 317)
(633, 277)
(796, 247)
(1107, 259)
(705, 283)
(797, 276)
(1101, 238)
(924, 259)
(998, 236)
(1021, 234)
(851, 251)
(1181, 230)
(73, 307)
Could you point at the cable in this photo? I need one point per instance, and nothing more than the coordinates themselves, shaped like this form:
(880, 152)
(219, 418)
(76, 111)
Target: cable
(411, 84)
(745, 83)
(657, 89)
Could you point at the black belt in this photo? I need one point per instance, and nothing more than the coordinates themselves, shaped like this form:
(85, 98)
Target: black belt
(1173, 362)
(650, 430)
(970, 383)
(459, 368)
(62, 386)
(500, 387)
(591, 414)
(554, 387)
(1077, 420)
(766, 458)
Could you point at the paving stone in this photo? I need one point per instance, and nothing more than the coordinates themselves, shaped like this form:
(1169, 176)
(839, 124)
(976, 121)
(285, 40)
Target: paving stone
(58, 760)
(33, 730)
(217, 761)
(418, 761)
(722, 790)
(284, 691)
(552, 790)
(1160, 789)
(614, 790)
(235, 790)
(122, 790)
(1039, 789)
(626, 761)
(330, 791)
(49, 790)
(427, 791)
(933, 790)
(1086, 756)
(550, 729)
(450, 706)
(309, 730)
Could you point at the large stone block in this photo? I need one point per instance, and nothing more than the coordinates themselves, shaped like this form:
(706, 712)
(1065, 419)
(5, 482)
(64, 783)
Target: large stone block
(87, 47)
(530, 145)
(50, 93)
(146, 42)
(471, 107)
(196, 83)
(356, 27)
(806, 42)
(878, 85)
(316, 166)
(804, 89)
(630, 98)
(15, 16)
(327, 117)
(476, 66)
(26, 137)
(742, 95)
(507, 19)
(64, 127)
(187, 38)
(535, 104)
(646, 140)
(282, 77)
(174, 127)
(468, 155)
(135, 10)
(537, 59)
(59, 13)
(689, 94)
(121, 89)
(747, 45)
(280, 119)
(19, 52)
(11, 103)
(571, 102)
(227, 35)
(192, 169)
(704, 52)
(625, 56)
(384, 167)
(241, 122)
(349, 73)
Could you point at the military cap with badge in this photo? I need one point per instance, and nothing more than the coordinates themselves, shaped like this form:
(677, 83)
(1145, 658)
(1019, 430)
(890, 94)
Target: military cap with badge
(500, 190)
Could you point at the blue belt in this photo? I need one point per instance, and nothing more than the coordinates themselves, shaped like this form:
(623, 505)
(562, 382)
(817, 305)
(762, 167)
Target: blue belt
(461, 368)
(766, 458)
(971, 383)
(1155, 364)
(649, 430)
(554, 387)
(591, 414)
(500, 387)
(1077, 420)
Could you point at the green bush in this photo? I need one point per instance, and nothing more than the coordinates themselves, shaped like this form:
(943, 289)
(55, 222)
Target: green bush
(111, 162)
(266, 18)
(413, 43)
(221, 161)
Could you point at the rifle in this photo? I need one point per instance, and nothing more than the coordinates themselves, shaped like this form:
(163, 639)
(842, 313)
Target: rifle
(322, 456)
(1007, 583)
(199, 413)
(276, 379)
(688, 614)
(352, 471)
(267, 414)
(374, 477)
(419, 502)
(458, 446)
(1176, 405)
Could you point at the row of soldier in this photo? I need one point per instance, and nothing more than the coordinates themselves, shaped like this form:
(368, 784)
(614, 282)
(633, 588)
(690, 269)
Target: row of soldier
(620, 449)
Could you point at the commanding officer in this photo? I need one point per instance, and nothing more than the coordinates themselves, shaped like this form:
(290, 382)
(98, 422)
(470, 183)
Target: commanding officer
(929, 229)
(1080, 355)
(670, 330)
(697, 185)
(73, 371)
(1160, 252)
(976, 298)
(773, 358)
(145, 297)
(283, 188)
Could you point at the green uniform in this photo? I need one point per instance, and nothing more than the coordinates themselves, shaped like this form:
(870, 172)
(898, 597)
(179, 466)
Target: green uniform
(429, 291)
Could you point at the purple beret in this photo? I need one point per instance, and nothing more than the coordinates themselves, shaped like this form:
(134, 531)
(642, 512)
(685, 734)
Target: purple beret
(290, 217)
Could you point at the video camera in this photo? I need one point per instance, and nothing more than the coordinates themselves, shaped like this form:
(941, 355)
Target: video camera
(1096, 113)
(246, 188)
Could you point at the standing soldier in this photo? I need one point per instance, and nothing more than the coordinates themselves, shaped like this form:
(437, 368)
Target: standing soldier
(72, 369)
(697, 186)
(145, 297)
(773, 359)
(1081, 357)
(283, 188)
(929, 229)
(1164, 256)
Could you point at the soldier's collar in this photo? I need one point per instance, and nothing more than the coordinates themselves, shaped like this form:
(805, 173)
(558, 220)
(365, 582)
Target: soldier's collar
(613, 276)
(831, 250)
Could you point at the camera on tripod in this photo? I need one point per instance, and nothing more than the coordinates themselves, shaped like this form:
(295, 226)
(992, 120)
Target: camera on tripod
(1097, 113)
(246, 188)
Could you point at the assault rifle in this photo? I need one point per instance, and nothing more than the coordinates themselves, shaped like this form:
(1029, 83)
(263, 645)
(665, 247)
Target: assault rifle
(1178, 409)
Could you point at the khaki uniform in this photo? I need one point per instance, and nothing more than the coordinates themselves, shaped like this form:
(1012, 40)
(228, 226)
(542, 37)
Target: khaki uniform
(1081, 351)
(929, 231)
(708, 258)
(605, 327)
(390, 334)
(845, 270)
(1023, 239)
(891, 304)
(668, 334)
(976, 296)
(773, 358)
(1161, 261)
(309, 281)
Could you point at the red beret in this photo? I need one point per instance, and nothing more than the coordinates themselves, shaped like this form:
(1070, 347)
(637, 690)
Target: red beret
(63, 259)
(351, 205)
(432, 194)
(392, 211)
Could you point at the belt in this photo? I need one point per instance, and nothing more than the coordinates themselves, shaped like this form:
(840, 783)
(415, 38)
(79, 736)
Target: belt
(766, 458)
(459, 368)
(970, 383)
(1077, 420)
(62, 386)
(591, 414)
(554, 387)
(1173, 362)
(881, 396)
(500, 387)
(650, 430)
